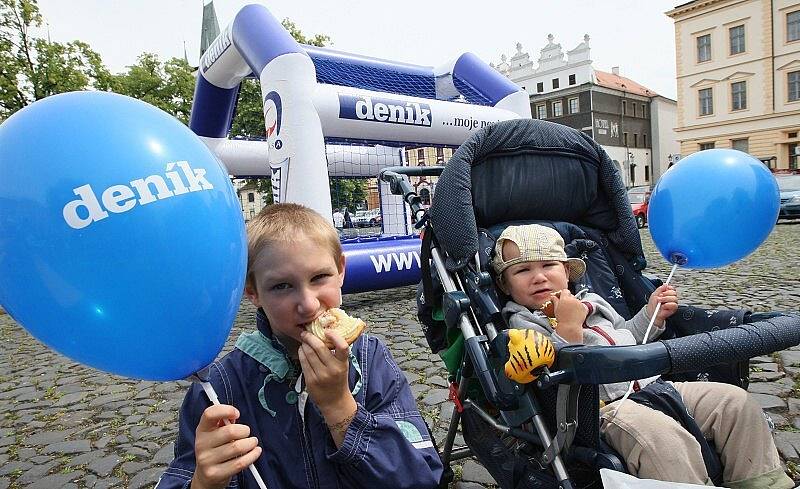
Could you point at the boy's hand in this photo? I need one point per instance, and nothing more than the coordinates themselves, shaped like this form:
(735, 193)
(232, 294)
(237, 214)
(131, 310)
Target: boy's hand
(570, 314)
(326, 375)
(667, 295)
(221, 450)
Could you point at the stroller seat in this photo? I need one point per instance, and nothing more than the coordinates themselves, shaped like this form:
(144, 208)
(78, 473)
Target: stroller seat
(533, 171)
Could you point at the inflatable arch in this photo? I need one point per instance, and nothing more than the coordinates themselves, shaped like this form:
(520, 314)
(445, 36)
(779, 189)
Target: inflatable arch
(313, 96)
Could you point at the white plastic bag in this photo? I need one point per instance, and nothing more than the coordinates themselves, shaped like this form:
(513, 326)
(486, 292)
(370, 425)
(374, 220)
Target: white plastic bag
(617, 480)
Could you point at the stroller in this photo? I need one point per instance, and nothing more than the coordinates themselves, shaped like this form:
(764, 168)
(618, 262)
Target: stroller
(533, 171)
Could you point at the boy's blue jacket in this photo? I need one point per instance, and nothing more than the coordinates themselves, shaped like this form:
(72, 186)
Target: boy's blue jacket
(386, 445)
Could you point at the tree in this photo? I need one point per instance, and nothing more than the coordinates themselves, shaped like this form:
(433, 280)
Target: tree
(347, 192)
(168, 86)
(33, 68)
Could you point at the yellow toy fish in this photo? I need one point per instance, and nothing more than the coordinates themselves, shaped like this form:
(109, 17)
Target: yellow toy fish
(529, 351)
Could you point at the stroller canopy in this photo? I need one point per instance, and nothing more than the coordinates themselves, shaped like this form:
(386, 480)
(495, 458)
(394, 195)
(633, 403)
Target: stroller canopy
(530, 169)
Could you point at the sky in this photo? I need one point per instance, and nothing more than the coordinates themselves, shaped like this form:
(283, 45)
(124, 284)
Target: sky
(632, 34)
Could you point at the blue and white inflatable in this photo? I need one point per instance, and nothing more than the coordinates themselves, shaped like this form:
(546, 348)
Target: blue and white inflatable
(313, 96)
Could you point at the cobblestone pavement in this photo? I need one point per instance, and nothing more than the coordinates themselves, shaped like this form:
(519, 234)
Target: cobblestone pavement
(65, 425)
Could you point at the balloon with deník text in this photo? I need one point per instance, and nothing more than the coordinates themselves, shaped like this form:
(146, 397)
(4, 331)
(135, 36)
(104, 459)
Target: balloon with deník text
(712, 208)
(122, 242)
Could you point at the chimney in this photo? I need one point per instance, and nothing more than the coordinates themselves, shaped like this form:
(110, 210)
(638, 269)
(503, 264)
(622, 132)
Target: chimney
(615, 70)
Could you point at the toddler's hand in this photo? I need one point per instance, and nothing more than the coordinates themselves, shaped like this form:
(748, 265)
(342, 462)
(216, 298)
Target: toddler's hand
(570, 314)
(221, 450)
(667, 295)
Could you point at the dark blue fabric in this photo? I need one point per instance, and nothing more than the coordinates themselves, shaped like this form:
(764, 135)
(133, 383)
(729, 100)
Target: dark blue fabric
(300, 454)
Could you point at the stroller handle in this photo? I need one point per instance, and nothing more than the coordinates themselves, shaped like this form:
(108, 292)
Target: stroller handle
(607, 364)
(397, 178)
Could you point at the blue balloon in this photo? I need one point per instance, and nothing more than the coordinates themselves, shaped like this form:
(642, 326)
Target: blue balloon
(712, 208)
(122, 243)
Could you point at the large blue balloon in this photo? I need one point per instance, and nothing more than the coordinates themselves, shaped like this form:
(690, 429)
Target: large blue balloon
(713, 208)
(122, 242)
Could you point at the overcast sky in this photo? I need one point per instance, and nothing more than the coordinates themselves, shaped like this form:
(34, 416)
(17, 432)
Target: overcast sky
(632, 34)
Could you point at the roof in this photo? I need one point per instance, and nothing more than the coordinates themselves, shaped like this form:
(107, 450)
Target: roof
(610, 80)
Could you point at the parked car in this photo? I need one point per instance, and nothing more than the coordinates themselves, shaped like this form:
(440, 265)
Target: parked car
(789, 186)
(639, 198)
(368, 218)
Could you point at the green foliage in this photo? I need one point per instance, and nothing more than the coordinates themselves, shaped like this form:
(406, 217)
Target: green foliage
(347, 192)
(33, 68)
(319, 40)
(249, 119)
(169, 86)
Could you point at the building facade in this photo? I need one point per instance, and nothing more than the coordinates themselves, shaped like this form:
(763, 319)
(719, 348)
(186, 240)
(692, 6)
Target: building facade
(251, 200)
(632, 123)
(738, 74)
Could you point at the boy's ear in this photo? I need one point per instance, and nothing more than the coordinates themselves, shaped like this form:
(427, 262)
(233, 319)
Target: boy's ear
(342, 263)
(252, 295)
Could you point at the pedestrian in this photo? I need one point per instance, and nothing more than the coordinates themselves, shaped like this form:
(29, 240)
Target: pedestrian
(348, 221)
(338, 220)
(306, 416)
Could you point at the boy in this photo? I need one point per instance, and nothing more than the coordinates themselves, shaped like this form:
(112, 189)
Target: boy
(531, 266)
(305, 415)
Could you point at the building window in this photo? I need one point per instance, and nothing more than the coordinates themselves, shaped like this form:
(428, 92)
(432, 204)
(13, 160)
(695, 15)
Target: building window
(644, 110)
(439, 155)
(558, 110)
(704, 48)
(742, 145)
(625, 139)
(573, 105)
(646, 173)
(420, 156)
(737, 39)
(633, 109)
(555, 83)
(793, 26)
(794, 86)
(571, 79)
(635, 140)
(739, 95)
(644, 140)
(624, 108)
(794, 157)
(541, 111)
(251, 197)
(540, 87)
(706, 99)
(705, 146)
(632, 171)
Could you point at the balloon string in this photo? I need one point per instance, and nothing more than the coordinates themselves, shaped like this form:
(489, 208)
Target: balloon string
(212, 396)
(646, 335)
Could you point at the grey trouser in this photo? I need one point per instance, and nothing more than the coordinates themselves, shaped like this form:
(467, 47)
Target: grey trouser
(655, 446)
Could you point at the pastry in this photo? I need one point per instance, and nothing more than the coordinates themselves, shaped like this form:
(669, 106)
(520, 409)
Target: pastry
(348, 327)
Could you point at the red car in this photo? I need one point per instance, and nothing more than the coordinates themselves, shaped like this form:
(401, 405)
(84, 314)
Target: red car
(639, 198)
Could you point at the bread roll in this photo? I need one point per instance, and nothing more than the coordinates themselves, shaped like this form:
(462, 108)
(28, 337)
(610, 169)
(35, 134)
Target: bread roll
(348, 327)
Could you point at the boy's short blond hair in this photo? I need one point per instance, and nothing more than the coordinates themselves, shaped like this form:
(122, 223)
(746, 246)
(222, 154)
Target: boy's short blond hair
(288, 223)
